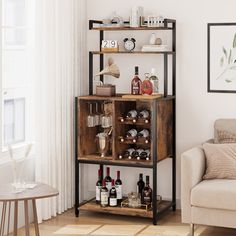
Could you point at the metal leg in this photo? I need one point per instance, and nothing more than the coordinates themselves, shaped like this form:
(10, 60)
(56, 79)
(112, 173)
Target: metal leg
(192, 229)
(3, 218)
(36, 226)
(76, 160)
(9, 215)
(26, 218)
(15, 218)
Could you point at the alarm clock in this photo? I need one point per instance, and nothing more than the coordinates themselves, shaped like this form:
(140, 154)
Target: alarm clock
(129, 44)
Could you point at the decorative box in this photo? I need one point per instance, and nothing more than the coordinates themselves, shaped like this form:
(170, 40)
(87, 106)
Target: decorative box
(106, 90)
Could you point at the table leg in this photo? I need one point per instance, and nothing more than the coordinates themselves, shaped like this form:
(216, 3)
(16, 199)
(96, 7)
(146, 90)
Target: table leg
(15, 218)
(26, 218)
(35, 218)
(4, 206)
(9, 214)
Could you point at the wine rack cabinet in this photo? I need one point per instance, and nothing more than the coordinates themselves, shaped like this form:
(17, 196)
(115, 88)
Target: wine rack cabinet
(161, 124)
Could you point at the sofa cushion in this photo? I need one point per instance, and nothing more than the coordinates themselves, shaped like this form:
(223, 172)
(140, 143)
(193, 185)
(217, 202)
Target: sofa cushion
(220, 161)
(225, 131)
(217, 194)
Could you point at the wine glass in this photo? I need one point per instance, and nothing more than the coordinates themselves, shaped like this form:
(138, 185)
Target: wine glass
(90, 118)
(96, 115)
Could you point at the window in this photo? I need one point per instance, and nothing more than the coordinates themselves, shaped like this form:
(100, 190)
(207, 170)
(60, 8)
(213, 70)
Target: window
(17, 46)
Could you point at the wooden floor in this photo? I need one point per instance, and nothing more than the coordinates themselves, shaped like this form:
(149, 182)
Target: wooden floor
(169, 225)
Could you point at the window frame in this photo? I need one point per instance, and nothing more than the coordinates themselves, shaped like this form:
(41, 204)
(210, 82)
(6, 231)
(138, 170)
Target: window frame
(28, 89)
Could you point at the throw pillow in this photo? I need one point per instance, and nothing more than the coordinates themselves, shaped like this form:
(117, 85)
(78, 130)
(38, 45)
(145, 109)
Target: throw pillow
(225, 136)
(220, 161)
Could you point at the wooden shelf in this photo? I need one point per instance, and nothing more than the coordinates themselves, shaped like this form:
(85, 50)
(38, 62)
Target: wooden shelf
(134, 52)
(93, 207)
(117, 28)
(95, 159)
(130, 122)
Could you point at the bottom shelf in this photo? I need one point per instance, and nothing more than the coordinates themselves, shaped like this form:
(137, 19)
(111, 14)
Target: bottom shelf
(93, 207)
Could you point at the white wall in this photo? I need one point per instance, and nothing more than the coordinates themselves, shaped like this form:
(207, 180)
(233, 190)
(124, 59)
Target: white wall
(196, 109)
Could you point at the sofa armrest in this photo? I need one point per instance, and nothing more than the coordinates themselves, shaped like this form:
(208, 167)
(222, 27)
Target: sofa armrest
(192, 171)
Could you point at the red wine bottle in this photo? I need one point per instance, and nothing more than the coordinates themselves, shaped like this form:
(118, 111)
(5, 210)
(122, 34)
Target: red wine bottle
(140, 184)
(104, 194)
(113, 195)
(132, 114)
(147, 193)
(136, 83)
(118, 185)
(136, 153)
(145, 155)
(108, 179)
(132, 133)
(98, 187)
(128, 153)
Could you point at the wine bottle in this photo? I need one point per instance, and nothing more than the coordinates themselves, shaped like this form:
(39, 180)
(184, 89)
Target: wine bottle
(108, 179)
(147, 193)
(98, 187)
(128, 153)
(145, 155)
(132, 114)
(104, 194)
(136, 153)
(143, 134)
(113, 196)
(144, 115)
(118, 185)
(136, 83)
(132, 133)
(140, 184)
(155, 81)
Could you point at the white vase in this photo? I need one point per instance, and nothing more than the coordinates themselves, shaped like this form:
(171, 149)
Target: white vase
(152, 39)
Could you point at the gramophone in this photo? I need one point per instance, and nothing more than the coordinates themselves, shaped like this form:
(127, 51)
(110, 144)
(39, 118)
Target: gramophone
(108, 89)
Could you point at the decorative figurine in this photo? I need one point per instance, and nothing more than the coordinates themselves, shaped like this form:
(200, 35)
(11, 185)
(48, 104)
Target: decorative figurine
(152, 39)
(112, 69)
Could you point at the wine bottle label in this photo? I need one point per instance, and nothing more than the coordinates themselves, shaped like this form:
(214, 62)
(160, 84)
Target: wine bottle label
(98, 193)
(108, 185)
(104, 198)
(146, 199)
(132, 133)
(119, 191)
(113, 201)
(132, 114)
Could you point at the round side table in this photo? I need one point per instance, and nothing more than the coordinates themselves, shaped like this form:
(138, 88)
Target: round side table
(7, 197)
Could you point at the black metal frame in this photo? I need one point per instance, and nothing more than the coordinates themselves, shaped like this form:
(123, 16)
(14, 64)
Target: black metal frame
(209, 25)
(153, 124)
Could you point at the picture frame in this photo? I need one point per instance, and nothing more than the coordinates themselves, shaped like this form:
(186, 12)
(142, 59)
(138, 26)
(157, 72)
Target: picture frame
(221, 57)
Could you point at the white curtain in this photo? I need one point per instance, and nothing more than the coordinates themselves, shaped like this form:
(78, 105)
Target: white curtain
(60, 68)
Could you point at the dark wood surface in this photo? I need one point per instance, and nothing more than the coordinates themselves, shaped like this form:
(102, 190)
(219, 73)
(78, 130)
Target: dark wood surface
(92, 206)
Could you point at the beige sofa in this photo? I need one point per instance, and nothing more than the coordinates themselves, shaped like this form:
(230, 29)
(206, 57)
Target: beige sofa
(206, 202)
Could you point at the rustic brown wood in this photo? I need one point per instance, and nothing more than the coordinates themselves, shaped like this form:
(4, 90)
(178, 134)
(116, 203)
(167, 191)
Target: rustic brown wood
(4, 206)
(92, 206)
(118, 107)
(15, 218)
(165, 129)
(110, 160)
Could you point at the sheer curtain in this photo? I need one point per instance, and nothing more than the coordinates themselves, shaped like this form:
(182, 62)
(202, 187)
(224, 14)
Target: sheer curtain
(60, 47)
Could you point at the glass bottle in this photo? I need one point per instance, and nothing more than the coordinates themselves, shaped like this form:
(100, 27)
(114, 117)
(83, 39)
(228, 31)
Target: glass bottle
(104, 194)
(155, 81)
(113, 195)
(147, 193)
(118, 185)
(98, 187)
(136, 83)
(140, 185)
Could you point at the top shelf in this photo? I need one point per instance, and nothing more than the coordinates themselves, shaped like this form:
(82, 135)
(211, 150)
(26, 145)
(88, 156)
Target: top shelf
(126, 27)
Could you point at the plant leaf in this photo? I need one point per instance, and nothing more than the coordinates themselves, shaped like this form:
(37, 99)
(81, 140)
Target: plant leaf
(228, 80)
(230, 54)
(224, 51)
(234, 42)
(221, 61)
